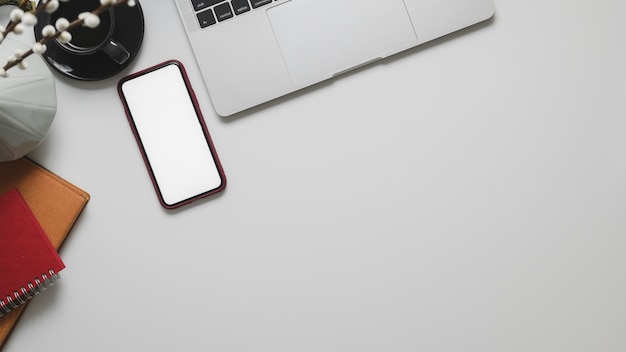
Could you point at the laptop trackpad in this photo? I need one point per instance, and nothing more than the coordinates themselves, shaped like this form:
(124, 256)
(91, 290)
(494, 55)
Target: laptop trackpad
(319, 38)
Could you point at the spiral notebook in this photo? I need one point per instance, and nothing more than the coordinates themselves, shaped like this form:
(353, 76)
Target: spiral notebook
(55, 202)
(28, 262)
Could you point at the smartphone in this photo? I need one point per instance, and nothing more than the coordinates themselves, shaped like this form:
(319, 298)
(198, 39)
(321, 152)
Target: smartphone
(174, 141)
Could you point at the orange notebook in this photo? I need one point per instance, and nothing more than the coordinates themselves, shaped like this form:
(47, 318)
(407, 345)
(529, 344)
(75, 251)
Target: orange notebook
(28, 262)
(55, 202)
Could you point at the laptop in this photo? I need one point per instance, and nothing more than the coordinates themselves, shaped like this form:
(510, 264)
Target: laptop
(253, 51)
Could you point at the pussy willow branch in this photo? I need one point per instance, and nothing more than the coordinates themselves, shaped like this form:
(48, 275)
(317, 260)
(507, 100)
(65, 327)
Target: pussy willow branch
(26, 5)
(43, 41)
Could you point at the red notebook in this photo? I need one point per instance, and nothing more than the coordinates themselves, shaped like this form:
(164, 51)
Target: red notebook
(28, 262)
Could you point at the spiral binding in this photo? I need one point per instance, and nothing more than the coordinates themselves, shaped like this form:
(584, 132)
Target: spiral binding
(26, 293)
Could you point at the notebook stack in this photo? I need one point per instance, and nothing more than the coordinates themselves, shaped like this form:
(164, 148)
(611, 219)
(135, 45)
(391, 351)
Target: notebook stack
(37, 211)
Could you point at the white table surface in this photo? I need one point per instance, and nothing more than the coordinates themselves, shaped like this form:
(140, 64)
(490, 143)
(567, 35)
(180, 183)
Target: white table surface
(469, 195)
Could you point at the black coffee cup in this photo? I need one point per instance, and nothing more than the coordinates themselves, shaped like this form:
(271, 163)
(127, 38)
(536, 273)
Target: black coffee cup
(85, 40)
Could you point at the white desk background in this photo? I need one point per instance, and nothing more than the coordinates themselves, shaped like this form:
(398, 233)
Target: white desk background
(469, 195)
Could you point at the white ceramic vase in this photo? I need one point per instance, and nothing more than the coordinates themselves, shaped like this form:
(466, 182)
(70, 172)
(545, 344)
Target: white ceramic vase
(28, 103)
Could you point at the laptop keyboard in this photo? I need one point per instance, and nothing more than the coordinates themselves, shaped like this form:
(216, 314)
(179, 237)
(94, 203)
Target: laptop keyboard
(210, 12)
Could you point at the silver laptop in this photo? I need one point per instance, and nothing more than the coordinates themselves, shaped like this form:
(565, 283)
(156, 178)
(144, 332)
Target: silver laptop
(253, 51)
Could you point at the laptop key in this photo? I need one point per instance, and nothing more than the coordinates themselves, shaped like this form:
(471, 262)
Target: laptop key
(206, 18)
(259, 3)
(203, 4)
(240, 6)
(223, 12)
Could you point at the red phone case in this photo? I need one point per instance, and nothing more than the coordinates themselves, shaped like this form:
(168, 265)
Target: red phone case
(200, 119)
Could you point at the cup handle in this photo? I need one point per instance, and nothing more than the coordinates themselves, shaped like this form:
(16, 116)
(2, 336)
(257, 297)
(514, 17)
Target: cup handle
(116, 51)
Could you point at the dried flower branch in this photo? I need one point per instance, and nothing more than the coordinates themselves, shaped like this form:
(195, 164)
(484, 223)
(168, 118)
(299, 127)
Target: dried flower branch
(15, 26)
(59, 31)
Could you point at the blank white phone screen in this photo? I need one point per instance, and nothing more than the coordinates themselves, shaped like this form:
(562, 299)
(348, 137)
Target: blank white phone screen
(171, 134)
